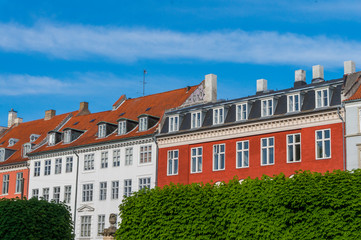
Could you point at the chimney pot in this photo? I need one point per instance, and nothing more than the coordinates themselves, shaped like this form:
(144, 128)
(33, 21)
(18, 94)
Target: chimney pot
(210, 88)
(349, 67)
(83, 109)
(261, 85)
(49, 114)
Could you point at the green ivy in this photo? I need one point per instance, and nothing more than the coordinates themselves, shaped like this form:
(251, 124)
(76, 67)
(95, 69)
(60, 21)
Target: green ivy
(306, 206)
(34, 219)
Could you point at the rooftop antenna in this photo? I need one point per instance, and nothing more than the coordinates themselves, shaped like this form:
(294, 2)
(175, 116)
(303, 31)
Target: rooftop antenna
(144, 72)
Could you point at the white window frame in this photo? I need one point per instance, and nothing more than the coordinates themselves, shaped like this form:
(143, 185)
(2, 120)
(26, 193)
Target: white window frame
(87, 192)
(217, 156)
(115, 189)
(359, 120)
(128, 156)
(33, 137)
(174, 123)
(322, 97)
(143, 124)
(145, 154)
(196, 119)
(323, 140)
(127, 187)
(51, 139)
(173, 162)
(293, 144)
(101, 224)
(69, 164)
(47, 167)
(19, 182)
(37, 168)
(104, 159)
(267, 109)
(35, 193)
(103, 191)
(2, 154)
(116, 157)
(56, 194)
(218, 115)
(292, 104)
(67, 193)
(145, 182)
(12, 141)
(102, 130)
(88, 162)
(122, 127)
(26, 149)
(58, 165)
(5, 186)
(46, 192)
(85, 226)
(244, 151)
(241, 113)
(268, 147)
(67, 136)
(196, 159)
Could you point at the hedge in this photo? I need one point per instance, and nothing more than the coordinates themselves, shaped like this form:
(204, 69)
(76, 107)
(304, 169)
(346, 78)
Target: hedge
(306, 206)
(34, 219)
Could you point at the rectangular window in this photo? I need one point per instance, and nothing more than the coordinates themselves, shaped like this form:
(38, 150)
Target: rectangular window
(69, 164)
(242, 154)
(322, 98)
(173, 123)
(116, 158)
(87, 192)
(58, 163)
(115, 189)
(85, 227)
(56, 194)
(294, 148)
(218, 116)
(143, 124)
(146, 154)
(196, 160)
(173, 162)
(37, 169)
(267, 107)
(104, 160)
(219, 157)
(103, 191)
(19, 182)
(127, 187)
(242, 112)
(128, 156)
(51, 138)
(293, 103)
(323, 144)
(88, 162)
(46, 194)
(36, 193)
(5, 189)
(101, 224)
(67, 194)
(67, 136)
(47, 168)
(144, 183)
(122, 127)
(196, 119)
(267, 151)
(102, 128)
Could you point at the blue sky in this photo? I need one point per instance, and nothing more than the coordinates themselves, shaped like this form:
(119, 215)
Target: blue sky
(55, 54)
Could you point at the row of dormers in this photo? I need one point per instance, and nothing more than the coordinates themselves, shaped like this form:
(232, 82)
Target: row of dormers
(291, 101)
(123, 126)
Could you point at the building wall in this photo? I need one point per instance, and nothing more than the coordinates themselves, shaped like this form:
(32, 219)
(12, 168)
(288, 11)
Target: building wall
(353, 135)
(308, 157)
(12, 182)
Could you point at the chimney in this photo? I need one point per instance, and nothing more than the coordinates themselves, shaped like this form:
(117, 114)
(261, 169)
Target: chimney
(83, 109)
(18, 121)
(300, 78)
(317, 74)
(210, 88)
(11, 118)
(349, 67)
(261, 85)
(49, 114)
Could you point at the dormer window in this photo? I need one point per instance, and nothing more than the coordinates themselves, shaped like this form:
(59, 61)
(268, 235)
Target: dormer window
(242, 111)
(218, 115)
(173, 123)
(293, 103)
(122, 127)
(67, 136)
(51, 139)
(196, 119)
(33, 137)
(322, 98)
(2, 154)
(267, 107)
(5, 153)
(143, 122)
(12, 141)
(26, 149)
(102, 130)
(106, 128)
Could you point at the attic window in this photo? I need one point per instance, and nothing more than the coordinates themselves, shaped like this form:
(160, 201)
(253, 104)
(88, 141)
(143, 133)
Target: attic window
(51, 139)
(143, 122)
(102, 130)
(33, 137)
(92, 120)
(67, 136)
(26, 149)
(121, 114)
(122, 127)
(2, 154)
(12, 141)
(75, 123)
(322, 98)
(148, 109)
(173, 123)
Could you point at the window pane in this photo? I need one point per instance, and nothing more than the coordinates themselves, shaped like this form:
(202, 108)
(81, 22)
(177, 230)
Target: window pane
(245, 160)
(239, 163)
(194, 164)
(290, 153)
(271, 155)
(319, 149)
(270, 141)
(264, 156)
(298, 152)
(327, 148)
(245, 145)
(327, 133)
(319, 135)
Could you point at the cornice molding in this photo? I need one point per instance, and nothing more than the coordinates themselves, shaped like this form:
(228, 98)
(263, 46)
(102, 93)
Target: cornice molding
(18, 166)
(251, 129)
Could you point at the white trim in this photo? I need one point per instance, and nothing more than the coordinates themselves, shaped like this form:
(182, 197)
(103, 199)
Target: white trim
(175, 126)
(267, 107)
(294, 105)
(218, 115)
(201, 147)
(243, 141)
(322, 96)
(293, 134)
(268, 147)
(200, 119)
(219, 169)
(173, 173)
(323, 143)
(237, 111)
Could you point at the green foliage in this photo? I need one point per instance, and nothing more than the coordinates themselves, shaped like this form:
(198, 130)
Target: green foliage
(34, 219)
(307, 206)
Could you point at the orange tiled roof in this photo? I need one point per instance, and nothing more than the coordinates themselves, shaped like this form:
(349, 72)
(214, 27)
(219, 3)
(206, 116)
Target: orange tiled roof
(356, 95)
(154, 105)
(23, 131)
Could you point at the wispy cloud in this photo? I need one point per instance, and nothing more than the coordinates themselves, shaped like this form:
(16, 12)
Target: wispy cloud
(132, 44)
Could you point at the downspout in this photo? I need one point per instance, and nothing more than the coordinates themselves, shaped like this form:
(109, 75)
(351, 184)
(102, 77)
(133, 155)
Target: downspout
(156, 160)
(27, 187)
(343, 136)
(76, 188)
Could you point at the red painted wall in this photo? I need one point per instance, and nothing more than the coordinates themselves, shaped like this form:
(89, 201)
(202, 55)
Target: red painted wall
(308, 158)
(12, 183)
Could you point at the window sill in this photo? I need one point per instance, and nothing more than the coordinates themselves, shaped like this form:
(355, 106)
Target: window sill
(265, 165)
(323, 158)
(294, 161)
(196, 172)
(242, 167)
(217, 170)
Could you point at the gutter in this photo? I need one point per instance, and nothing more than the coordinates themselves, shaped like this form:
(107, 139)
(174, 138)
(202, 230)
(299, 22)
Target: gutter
(76, 189)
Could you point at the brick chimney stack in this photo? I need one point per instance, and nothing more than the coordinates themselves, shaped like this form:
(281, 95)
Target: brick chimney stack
(83, 109)
(49, 114)
(11, 118)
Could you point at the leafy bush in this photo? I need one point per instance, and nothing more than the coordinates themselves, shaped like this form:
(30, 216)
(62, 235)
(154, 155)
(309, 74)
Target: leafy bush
(34, 219)
(307, 206)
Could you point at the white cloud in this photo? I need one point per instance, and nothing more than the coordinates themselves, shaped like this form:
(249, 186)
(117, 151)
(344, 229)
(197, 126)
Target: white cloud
(128, 45)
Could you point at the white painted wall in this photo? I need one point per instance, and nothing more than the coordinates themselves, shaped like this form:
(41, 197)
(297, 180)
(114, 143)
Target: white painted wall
(353, 135)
